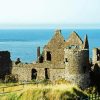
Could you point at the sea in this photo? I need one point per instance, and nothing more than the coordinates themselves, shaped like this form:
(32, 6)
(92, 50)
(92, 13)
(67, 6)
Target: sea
(23, 43)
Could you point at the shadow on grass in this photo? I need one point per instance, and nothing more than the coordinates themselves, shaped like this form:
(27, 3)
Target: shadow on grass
(73, 96)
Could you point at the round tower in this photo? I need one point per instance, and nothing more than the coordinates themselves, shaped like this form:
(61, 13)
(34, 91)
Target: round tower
(77, 66)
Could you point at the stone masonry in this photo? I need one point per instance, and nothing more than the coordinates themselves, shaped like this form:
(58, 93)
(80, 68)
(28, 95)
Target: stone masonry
(5, 64)
(61, 59)
(96, 56)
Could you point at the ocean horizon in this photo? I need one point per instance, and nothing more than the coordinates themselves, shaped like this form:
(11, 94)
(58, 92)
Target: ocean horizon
(23, 43)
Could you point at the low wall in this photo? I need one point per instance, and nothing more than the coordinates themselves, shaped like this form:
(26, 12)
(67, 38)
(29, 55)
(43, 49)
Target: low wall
(24, 71)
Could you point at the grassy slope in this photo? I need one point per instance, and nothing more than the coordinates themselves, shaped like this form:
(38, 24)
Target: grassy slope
(43, 92)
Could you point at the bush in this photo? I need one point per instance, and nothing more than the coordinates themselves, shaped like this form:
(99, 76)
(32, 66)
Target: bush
(11, 78)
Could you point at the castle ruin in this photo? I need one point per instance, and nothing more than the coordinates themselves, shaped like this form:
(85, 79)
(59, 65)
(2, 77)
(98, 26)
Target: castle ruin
(60, 59)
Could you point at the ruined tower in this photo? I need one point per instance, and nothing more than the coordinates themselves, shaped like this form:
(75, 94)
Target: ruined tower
(77, 61)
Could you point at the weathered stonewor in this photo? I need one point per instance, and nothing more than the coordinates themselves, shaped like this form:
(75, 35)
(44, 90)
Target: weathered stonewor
(75, 40)
(5, 64)
(96, 56)
(77, 66)
(24, 71)
(55, 48)
(61, 59)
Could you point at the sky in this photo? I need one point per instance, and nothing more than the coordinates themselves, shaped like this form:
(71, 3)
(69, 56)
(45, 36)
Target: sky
(29, 13)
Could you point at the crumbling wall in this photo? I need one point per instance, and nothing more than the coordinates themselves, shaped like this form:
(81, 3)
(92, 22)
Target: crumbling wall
(56, 74)
(5, 64)
(24, 71)
(56, 48)
(77, 66)
(68, 60)
(74, 39)
(96, 56)
(95, 69)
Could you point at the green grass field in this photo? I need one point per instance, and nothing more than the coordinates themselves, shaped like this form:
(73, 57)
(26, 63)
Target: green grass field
(41, 92)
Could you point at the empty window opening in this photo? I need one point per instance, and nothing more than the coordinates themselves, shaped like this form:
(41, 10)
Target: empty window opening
(34, 74)
(84, 69)
(46, 73)
(66, 60)
(41, 59)
(48, 56)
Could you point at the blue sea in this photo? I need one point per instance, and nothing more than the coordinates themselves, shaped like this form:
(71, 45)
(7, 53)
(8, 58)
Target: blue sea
(23, 43)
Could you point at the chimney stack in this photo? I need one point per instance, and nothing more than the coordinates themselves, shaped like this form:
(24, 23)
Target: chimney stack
(38, 53)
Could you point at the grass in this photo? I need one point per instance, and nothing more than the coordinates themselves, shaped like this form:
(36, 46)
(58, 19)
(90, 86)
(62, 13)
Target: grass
(43, 92)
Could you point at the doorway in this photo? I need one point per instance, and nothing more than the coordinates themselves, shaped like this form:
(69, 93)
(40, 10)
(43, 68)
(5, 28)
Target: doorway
(34, 74)
(47, 73)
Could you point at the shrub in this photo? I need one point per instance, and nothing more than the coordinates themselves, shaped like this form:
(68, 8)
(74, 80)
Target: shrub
(11, 78)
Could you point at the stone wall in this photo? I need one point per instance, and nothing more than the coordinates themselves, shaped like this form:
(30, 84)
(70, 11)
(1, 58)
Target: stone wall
(62, 59)
(24, 71)
(82, 80)
(56, 74)
(5, 64)
(72, 70)
(24, 74)
(96, 56)
(56, 48)
(74, 39)
(77, 66)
